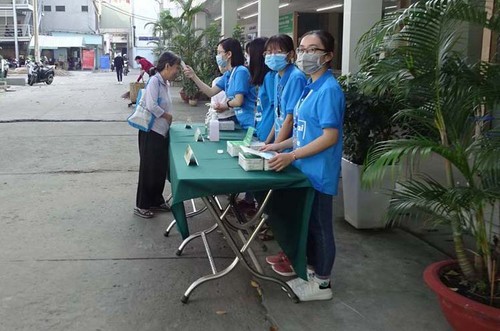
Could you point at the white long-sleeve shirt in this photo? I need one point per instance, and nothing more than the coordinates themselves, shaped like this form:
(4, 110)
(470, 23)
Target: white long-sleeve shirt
(222, 99)
(158, 101)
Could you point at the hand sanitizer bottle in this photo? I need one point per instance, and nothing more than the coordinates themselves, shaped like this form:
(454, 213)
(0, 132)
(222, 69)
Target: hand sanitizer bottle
(213, 133)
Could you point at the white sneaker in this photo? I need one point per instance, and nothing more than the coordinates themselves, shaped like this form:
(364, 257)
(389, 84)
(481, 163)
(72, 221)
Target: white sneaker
(310, 291)
(298, 281)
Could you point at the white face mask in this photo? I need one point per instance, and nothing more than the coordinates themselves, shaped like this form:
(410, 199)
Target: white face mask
(309, 63)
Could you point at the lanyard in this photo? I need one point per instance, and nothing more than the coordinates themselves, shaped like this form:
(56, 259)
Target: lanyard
(281, 83)
(230, 79)
(305, 94)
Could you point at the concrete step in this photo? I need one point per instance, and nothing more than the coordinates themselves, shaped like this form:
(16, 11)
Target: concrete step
(19, 81)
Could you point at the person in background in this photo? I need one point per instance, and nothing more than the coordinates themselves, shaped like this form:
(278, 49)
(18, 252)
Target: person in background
(153, 145)
(146, 67)
(218, 102)
(317, 150)
(235, 81)
(288, 85)
(262, 78)
(118, 63)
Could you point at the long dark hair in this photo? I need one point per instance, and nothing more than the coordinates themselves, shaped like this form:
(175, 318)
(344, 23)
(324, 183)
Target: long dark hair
(232, 45)
(258, 68)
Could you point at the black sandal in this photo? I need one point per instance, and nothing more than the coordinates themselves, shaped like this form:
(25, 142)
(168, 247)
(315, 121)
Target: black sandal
(163, 207)
(144, 213)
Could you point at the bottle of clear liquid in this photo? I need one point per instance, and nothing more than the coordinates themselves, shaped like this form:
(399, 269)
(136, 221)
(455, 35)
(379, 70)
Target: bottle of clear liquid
(213, 126)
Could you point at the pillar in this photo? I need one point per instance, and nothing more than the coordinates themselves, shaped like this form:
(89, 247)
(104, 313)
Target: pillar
(200, 23)
(359, 17)
(229, 17)
(268, 19)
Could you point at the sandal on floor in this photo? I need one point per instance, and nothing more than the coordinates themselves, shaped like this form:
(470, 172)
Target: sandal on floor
(266, 235)
(163, 207)
(144, 213)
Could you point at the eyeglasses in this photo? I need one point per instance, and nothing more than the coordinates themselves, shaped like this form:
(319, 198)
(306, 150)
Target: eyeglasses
(273, 52)
(309, 50)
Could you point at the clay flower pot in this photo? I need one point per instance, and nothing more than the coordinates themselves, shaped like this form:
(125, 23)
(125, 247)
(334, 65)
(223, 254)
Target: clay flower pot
(462, 313)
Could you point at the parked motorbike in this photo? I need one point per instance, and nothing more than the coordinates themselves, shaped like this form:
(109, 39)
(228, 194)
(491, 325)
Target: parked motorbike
(38, 73)
(125, 68)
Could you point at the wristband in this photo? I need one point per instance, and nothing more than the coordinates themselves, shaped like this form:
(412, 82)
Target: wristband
(227, 104)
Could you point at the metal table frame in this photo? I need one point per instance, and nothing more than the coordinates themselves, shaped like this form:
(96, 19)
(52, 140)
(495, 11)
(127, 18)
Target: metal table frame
(246, 232)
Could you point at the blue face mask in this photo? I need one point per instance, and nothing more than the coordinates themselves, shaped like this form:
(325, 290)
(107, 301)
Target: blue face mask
(221, 62)
(276, 62)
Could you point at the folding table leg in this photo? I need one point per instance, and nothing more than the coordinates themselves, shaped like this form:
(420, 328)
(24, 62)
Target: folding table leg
(239, 256)
(193, 236)
(188, 215)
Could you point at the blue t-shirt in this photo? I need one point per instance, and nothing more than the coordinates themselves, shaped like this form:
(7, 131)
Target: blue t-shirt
(237, 81)
(321, 106)
(288, 89)
(264, 116)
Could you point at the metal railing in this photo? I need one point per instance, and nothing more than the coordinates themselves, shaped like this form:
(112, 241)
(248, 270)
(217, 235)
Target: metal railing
(23, 30)
(18, 3)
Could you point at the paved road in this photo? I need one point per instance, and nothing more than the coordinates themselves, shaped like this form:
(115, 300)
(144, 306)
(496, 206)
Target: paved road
(73, 257)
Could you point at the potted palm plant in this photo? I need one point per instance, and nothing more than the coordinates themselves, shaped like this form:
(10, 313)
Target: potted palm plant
(179, 35)
(418, 53)
(366, 122)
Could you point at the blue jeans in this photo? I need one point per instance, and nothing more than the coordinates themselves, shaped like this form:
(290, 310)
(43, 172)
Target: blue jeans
(320, 239)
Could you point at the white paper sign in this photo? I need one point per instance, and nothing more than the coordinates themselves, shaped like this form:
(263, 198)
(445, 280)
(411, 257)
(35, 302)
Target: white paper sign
(189, 156)
(197, 135)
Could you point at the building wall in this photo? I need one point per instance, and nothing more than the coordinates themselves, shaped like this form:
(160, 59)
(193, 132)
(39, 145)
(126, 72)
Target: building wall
(144, 12)
(116, 16)
(72, 19)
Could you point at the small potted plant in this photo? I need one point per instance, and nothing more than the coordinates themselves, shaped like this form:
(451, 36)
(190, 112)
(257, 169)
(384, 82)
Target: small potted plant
(367, 120)
(191, 91)
(449, 101)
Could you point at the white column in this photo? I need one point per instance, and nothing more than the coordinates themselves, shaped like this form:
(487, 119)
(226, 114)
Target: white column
(35, 30)
(229, 17)
(14, 17)
(200, 22)
(268, 19)
(359, 17)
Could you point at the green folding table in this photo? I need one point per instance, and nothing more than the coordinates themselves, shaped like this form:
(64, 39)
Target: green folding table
(286, 200)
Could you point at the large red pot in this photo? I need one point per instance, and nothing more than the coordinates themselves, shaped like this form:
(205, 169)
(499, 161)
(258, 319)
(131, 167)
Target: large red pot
(462, 313)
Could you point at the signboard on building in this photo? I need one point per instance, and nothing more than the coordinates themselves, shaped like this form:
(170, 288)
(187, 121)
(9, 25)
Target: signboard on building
(286, 24)
(144, 38)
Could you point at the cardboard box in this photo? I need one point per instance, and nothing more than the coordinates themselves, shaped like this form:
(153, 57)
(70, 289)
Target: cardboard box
(226, 125)
(266, 166)
(233, 146)
(250, 162)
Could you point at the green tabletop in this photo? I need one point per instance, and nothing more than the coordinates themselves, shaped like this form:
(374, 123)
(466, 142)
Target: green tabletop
(288, 209)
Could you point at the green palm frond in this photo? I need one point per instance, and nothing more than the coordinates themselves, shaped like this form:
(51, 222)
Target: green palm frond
(418, 54)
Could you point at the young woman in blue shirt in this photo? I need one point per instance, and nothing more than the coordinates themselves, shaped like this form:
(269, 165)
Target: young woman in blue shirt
(235, 81)
(288, 85)
(262, 78)
(317, 150)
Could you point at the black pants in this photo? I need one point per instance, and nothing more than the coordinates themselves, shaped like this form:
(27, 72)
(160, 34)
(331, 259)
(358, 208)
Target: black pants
(119, 72)
(153, 168)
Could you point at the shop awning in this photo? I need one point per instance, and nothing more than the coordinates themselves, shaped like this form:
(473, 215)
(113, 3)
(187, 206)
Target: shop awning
(55, 42)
